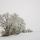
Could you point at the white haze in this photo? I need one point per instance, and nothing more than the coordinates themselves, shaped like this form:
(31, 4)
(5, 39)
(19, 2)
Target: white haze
(29, 10)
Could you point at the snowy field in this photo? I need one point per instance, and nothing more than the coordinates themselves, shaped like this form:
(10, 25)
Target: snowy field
(23, 36)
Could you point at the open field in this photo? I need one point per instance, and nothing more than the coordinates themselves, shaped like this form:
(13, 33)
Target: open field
(23, 36)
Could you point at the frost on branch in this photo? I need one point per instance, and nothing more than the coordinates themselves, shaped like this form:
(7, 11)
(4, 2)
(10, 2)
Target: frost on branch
(12, 24)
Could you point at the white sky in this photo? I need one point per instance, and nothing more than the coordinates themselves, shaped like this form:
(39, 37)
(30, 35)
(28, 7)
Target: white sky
(29, 10)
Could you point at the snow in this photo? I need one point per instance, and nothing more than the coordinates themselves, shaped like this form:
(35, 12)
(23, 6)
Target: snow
(1, 30)
(23, 36)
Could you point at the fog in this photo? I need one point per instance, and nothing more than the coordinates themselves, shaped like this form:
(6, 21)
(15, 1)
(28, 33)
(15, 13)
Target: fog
(29, 10)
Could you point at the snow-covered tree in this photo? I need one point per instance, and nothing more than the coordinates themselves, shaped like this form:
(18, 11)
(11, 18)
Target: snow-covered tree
(12, 24)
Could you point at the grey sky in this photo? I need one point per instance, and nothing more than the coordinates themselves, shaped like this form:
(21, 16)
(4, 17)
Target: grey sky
(29, 10)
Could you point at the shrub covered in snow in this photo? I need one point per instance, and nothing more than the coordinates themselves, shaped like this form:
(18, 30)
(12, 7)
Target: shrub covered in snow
(12, 24)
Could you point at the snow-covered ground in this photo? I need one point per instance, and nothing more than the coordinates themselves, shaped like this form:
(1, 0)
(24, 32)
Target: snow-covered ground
(23, 36)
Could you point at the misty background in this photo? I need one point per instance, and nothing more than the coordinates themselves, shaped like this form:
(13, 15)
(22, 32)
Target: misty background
(29, 10)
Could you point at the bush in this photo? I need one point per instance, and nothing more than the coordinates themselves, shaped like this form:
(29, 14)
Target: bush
(12, 24)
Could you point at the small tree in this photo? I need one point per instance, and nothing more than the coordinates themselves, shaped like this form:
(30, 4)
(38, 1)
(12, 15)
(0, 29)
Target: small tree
(12, 24)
